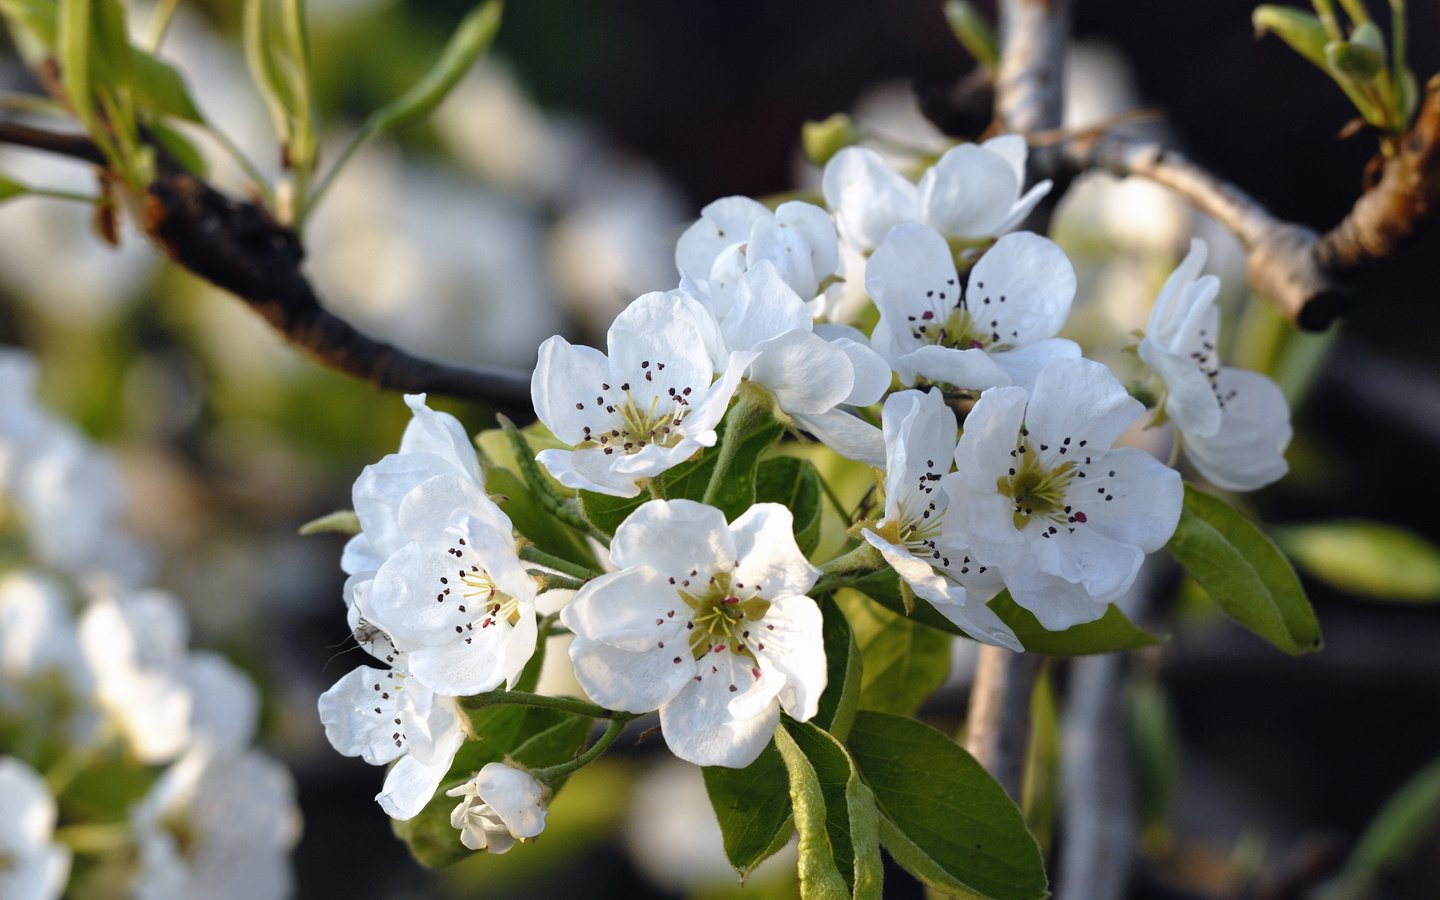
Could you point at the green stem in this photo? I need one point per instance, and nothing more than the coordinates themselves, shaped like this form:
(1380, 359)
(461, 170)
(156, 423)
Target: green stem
(1397, 61)
(1326, 11)
(532, 553)
(612, 731)
(366, 132)
(549, 580)
(656, 486)
(555, 504)
(751, 410)
(835, 501)
(863, 559)
(92, 199)
(541, 701)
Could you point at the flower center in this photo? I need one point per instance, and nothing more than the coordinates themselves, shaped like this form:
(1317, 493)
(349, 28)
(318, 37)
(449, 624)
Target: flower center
(721, 618)
(480, 602)
(1037, 491)
(635, 425)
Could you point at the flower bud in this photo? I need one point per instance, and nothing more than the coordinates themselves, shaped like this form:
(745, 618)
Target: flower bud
(502, 804)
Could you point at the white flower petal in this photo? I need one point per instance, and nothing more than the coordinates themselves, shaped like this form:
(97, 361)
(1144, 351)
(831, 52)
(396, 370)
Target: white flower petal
(515, 796)
(769, 560)
(1248, 451)
(1082, 400)
(1058, 604)
(1021, 289)
(806, 373)
(564, 385)
(1024, 364)
(673, 537)
(700, 724)
(846, 434)
(348, 711)
(440, 434)
(765, 308)
(634, 682)
(410, 783)
(867, 197)
(722, 223)
(794, 646)
(973, 369)
(1142, 499)
(907, 276)
(633, 609)
(968, 192)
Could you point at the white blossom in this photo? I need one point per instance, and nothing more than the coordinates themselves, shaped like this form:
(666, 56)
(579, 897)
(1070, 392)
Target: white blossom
(647, 406)
(135, 645)
(385, 716)
(1234, 424)
(455, 599)
(972, 192)
(218, 826)
(501, 805)
(32, 865)
(706, 622)
(735, 234)
(919, 446)
(1000, 329)
(1040, 493)
(38, 637)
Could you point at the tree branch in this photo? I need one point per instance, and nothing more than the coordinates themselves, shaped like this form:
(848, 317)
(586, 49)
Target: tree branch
(236, 246)
(1028, 98)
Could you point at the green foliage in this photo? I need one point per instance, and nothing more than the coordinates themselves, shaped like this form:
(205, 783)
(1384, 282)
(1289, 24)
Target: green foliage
(1302, 30)
(10, 188)
(1040, 795)
(1369, 559)
(471, 39)
(834, 813)
(342, 521)
(752, 807)
(824, 138)
(1244, 572)
(795, 484)
(974, 33)
(160, 89)
(904, 661)
(942, 817)
(843, 672)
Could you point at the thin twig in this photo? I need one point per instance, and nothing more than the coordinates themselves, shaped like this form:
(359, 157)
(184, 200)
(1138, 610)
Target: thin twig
(1028, 98)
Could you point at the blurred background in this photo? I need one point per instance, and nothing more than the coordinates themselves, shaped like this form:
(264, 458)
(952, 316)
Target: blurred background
(548, 192)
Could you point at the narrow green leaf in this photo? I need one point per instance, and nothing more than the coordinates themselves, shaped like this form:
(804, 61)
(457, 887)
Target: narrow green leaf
(752, 807)
(179, 146)
(73, 47)
(265, 70)
(843, 670)
(824, 852)
(851, 819)
(974, 32)
(905, 662)
(342, 521)
(1366, 558)
(111, 43)
(1397, 831)
(472, 38)
(1040, 793)
(10, 188)
(160, 88)
(1111, 633)
(1303, 31)
(531, 518)
(824, 138)
(1244, 572)
(795, 484)
(942, 816)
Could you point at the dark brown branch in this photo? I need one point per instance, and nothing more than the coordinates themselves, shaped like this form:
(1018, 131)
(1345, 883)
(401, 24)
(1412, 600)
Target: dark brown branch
(1406, 197)
(238, 247)
(75, 146)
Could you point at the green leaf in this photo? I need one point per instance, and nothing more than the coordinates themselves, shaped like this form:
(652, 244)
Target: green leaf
(1354, 61)
(752, 807)
(160, 88)
(179, 146)
(904, 661)
(532, 519)
(472, 38)
(111, 43)
(843, 672)
(795, 484)
(1040, 794)
(824, 138)
(1396, 833)
(942, 817)
(265, 69)
(1244, 572)
(732, 479)
(73, 47)
(834, 813)
(1110, 633)
(10, 188)
(1366, 558)
(342, 521)
(1303, 31)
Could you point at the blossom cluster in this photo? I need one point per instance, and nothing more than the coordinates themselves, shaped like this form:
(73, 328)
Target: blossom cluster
(95, 666)
(1004, 459)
